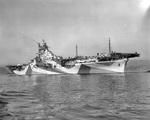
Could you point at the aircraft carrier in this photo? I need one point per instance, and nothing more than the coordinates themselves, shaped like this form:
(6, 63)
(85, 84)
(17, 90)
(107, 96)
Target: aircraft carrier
(46, 62)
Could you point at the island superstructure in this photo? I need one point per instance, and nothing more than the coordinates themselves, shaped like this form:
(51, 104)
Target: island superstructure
(46, 62)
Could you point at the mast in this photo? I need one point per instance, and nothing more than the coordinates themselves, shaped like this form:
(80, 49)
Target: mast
(76, 51)
(109, 47)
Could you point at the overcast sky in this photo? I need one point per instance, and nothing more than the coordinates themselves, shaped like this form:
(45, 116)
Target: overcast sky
(65, 23)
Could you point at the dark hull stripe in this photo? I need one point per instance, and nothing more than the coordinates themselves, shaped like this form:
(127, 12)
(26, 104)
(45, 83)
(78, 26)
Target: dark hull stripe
(84, 69)
(29, 71)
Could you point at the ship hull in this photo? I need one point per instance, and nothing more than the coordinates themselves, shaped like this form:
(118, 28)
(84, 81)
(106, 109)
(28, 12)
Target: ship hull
(80, 68)
(103, 67)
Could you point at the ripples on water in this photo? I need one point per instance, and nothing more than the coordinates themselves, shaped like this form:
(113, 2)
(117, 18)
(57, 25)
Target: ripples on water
(75, 97)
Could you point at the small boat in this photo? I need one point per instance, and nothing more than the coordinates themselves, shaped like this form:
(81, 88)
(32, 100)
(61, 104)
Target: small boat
(46, 62)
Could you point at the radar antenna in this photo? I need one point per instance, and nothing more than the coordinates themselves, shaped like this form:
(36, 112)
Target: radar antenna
(109, 47)
(76, 51)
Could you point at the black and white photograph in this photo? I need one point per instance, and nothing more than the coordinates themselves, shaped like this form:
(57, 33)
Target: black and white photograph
(75, 60)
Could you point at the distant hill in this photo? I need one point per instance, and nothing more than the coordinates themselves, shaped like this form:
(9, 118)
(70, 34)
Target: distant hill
(138, 65)
(4, 70)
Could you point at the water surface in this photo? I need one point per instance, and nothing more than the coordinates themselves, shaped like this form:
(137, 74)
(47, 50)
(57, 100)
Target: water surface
(75, 97)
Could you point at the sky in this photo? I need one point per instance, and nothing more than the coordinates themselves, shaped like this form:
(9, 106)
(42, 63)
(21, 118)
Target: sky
(67, 23)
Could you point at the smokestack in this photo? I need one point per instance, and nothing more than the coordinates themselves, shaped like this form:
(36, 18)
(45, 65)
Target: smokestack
(76, 51)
